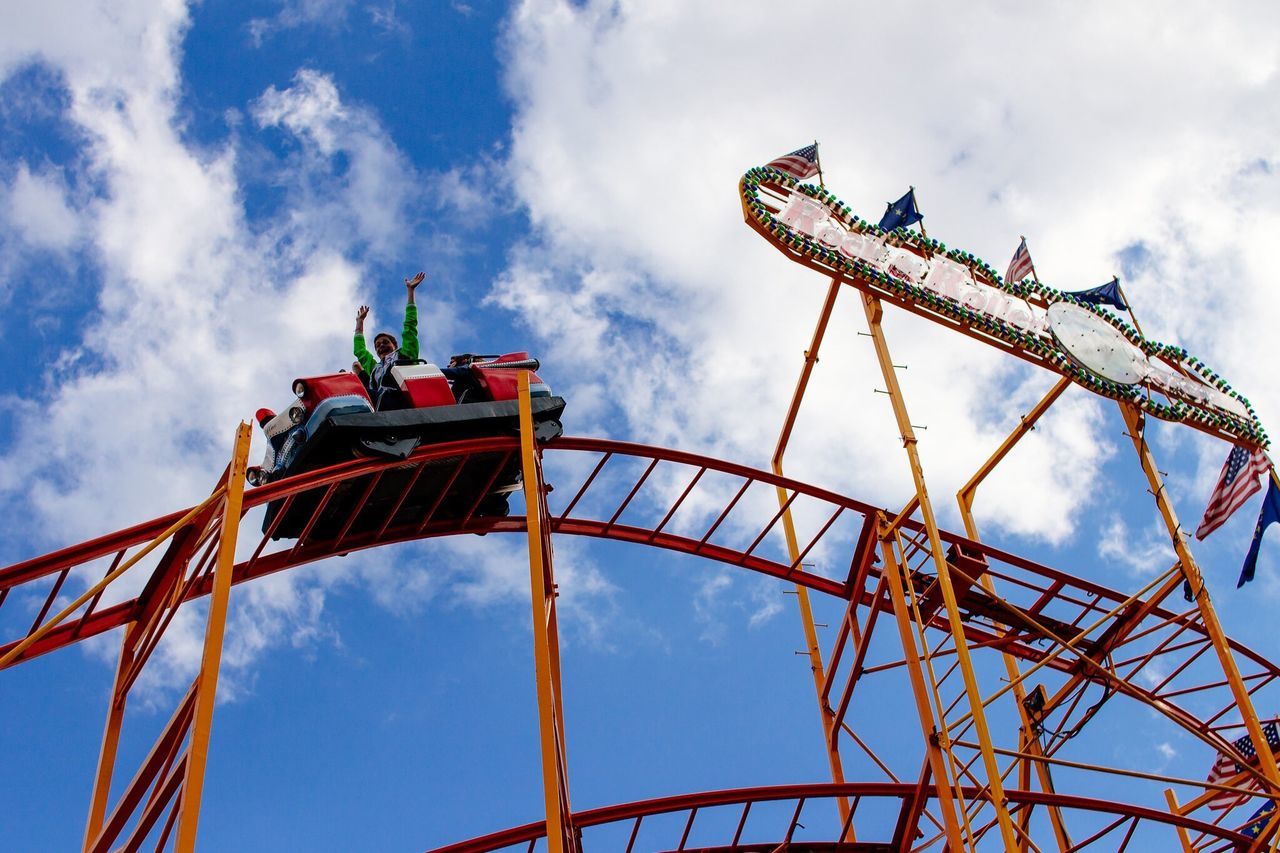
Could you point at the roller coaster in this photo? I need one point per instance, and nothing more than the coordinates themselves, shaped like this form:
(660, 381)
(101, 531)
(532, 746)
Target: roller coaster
(1005, 661)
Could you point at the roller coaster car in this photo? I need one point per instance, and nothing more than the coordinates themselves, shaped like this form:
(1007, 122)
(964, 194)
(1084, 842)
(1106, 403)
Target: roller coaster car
(334, 420)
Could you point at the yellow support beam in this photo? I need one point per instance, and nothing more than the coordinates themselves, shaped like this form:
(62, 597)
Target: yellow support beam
(215, 627)
(874, 313)
(561, 834)
(1135, 420)
(965, 497)
(110, 739)
(947, 796)
(1183, 838)
(816, 667)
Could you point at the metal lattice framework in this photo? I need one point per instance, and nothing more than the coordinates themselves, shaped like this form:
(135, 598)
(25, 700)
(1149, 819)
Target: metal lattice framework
(786, 829)
(1073, 637)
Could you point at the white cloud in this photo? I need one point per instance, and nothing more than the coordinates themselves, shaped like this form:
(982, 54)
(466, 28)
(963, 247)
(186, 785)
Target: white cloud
(768, 600)
(299, 13)
(1145, 555)
(635, 121)
(708, 604)
(346, 178)
(311, 108)
(200, 318)
(488, 572)
(37, 210)
(112, 50)
(723, 598)
(385, 19)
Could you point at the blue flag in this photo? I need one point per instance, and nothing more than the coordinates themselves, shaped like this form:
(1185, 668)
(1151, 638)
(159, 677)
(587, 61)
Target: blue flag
(1259, 821)
(1103, 294)
(901, 213)
(1270, 512)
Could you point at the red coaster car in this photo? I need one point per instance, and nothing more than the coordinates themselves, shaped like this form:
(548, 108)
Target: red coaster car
(334, 420)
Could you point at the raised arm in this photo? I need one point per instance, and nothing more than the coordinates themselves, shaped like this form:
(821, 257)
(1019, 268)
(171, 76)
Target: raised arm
(409, 335)
(411, 284)
(363, 357)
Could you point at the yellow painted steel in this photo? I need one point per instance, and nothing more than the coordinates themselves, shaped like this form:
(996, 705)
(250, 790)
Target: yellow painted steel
(1099, 670)
(207, 680)
(561, 837)
(826, 715)
(829, 731)
(947, 798)
(1024, 783)
(964, 498)
(110, 739)
(12, 655)
(1183, 838)
(1134, 419)
(1025, 425)
(930, 693)
(1163, 587)
(874, 313)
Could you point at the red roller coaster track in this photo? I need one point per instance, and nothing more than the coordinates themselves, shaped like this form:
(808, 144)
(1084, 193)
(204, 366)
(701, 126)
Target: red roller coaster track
(1075, 635)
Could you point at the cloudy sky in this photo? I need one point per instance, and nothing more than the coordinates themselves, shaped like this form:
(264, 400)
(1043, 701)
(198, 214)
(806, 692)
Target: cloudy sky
(195, 198)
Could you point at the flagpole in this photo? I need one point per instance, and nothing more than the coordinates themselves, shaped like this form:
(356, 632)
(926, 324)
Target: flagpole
(1178, 365)
(817, 160)
(923, 232)
(1129, 305)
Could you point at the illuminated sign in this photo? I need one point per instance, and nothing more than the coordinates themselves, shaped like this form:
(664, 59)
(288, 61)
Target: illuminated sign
(1037, 323)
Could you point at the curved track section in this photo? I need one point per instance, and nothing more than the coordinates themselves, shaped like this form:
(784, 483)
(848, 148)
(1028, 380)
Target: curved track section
(1083, 644)
(669, 499)
(804, 818)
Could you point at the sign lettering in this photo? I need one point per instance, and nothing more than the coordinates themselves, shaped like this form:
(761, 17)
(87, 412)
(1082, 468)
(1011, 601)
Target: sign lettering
(1022, 324)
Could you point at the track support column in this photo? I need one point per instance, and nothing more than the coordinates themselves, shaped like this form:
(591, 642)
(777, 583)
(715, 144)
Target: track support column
(875, 312)
(562, 836)
(1030, 739)
(207, 680)
(936, 761)
(830, 731)
(1136, 422)
(110, 738)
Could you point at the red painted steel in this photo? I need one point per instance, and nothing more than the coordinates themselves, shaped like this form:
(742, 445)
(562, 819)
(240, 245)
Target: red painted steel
(903, 792)
(1042, 585)
(1040, 605)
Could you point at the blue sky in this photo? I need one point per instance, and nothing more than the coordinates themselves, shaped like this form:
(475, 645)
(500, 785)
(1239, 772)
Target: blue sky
(195, 198)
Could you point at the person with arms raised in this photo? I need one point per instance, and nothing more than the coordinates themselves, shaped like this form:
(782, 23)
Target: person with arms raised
(375, 372)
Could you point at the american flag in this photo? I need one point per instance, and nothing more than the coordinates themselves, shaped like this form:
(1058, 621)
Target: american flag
(801, 163)
(1224, 768)
(1020, 267)
(1238, 480)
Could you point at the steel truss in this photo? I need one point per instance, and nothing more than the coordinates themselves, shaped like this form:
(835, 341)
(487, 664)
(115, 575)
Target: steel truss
(949, 714)
(971, 632)
(737, 832)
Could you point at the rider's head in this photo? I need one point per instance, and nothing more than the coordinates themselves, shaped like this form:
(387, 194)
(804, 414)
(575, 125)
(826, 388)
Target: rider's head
(384, 344)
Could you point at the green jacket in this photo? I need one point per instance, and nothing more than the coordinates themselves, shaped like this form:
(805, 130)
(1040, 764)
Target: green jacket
(408, 342)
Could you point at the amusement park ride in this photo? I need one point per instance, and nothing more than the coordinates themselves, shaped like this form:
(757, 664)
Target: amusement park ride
(1005, 661)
